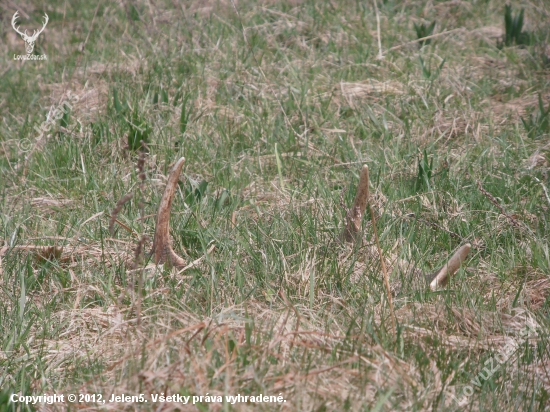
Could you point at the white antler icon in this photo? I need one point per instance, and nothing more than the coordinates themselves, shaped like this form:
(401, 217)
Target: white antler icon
(29, 40)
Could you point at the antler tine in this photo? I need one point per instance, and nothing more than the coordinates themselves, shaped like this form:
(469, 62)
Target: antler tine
(355, 214)
(36, 33)
(14, 19)
(162, 248)
(441, 277)
(46, 20)
(14, 22)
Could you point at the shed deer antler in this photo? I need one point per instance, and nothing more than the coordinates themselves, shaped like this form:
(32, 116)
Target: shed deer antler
(162, 249)
(435, 280)
(441, 277)
(29, 40)
(355, 214)
(353, 226)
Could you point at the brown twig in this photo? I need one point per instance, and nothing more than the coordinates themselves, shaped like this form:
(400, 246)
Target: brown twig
(125, 199)
(162, 249)
(125, 227)
(489, 196)
(138, 252)
(436, 226)
(40, 253)
(441, 277)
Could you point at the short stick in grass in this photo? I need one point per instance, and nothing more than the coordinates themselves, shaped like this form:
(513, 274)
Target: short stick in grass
(492, 199)
(120, 204)
(441, 277)
(162, 249)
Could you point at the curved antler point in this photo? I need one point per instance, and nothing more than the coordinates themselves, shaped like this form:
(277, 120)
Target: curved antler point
(162, 248)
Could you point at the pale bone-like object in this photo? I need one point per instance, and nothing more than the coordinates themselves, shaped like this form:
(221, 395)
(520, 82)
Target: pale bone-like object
(29, 40)
(355, 214)
(441, 277)
(162, 249)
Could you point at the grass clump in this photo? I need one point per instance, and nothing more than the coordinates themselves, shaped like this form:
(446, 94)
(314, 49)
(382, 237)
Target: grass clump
(424, 174)
(538, 124)
(513, 26)
(424, 30)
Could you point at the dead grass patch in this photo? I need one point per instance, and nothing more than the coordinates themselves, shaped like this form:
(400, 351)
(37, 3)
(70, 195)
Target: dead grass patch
(511, 110)
(371, 90)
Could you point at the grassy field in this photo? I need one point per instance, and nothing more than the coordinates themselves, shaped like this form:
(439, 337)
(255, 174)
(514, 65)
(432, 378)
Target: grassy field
(276, 106)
